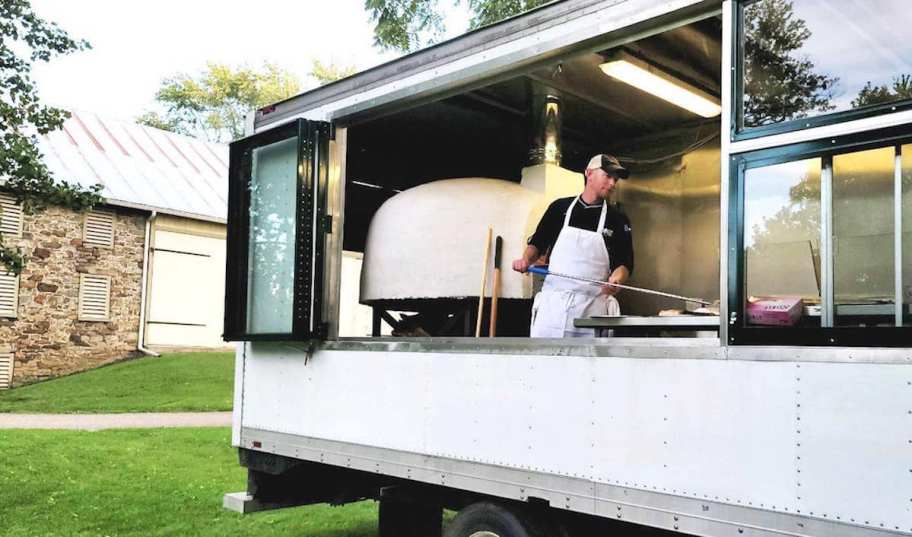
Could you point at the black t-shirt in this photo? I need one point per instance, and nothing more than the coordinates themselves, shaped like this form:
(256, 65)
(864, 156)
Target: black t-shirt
(617, 232)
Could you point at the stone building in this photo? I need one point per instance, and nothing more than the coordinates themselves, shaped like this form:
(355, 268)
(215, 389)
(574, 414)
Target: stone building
(143, 271)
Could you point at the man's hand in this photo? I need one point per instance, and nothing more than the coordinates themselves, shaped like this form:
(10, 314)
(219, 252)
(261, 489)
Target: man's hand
(619, 276)
(610, 290)
(521, 265)
(530, 255)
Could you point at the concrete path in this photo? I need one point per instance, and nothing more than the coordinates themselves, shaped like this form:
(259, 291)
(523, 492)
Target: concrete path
(97, 422)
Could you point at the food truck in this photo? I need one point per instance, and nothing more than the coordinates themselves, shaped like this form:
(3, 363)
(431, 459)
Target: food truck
(769, 144)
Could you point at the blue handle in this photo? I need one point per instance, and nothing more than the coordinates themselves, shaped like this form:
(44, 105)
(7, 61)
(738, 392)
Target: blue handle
(539, 269)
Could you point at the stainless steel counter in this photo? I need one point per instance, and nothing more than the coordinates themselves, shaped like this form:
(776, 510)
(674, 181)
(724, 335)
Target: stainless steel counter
(627, 325)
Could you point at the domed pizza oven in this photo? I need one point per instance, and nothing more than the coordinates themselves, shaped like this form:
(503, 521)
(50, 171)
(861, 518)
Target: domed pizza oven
(426, 246)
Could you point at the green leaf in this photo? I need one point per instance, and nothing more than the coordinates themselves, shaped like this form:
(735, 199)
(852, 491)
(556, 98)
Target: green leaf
(214, 103)
(22, 115)
(408, 25)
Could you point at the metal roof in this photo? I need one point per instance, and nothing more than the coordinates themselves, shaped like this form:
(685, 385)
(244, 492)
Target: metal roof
(489, 54)
(428, 57)
(141, 167)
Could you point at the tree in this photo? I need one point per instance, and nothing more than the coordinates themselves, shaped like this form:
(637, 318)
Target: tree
(324, 73)
(485, 12)
(214, 104)
(154, 120)
(24, 39)
(779, 85)
(408, 25)
(900, 90)
(799, 219)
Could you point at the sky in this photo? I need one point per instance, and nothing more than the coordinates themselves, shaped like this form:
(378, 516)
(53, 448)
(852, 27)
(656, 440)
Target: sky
(856, 43)
(137, 44)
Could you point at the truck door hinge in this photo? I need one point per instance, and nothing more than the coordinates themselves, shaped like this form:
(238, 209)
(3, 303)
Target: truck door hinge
(327, 223)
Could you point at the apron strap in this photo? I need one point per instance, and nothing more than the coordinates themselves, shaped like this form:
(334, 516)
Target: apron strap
(601, 224)
(570, 210)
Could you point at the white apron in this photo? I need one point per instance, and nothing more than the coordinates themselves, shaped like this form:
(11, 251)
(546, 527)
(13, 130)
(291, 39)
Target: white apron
(577, 252)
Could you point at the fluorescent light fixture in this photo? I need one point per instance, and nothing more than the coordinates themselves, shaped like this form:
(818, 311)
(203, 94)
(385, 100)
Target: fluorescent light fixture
(640, 74)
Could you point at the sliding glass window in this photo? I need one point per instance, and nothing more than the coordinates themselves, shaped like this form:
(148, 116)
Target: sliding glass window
(782, 233)
(822, 234)
(864, 264)
(904, 279)
(803, 63)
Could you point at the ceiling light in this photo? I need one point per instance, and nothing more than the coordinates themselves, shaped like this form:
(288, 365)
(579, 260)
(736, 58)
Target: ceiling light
(640, 74)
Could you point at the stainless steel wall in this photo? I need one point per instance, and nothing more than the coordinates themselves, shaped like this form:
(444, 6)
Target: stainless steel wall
(674, 210)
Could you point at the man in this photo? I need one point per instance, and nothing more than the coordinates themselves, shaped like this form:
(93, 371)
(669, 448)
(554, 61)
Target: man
(585, 237)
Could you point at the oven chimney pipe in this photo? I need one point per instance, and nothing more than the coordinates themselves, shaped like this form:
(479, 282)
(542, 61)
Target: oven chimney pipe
(545, 126)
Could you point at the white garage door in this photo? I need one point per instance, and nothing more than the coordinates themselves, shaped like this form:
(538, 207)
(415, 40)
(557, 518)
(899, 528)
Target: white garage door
(186, 291)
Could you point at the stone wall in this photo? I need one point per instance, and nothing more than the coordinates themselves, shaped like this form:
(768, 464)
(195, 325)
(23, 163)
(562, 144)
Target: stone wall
(46, 337)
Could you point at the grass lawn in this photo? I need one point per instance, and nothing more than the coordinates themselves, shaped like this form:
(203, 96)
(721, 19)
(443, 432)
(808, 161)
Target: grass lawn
(145, 483)
(200, 381)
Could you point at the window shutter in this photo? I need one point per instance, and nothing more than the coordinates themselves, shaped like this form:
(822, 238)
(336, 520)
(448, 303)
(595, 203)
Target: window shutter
(6, 370)
(10, 216)
(94, 297)
(98, 229)
(9, 294)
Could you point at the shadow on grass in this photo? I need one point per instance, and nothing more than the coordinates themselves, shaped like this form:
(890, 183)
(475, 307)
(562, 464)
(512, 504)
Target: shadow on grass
(364, 529)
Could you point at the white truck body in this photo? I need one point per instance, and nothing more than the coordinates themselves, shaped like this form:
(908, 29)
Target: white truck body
(679, 436)
(686, 434)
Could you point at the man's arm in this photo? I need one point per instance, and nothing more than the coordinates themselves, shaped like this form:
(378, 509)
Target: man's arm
(621, 257)
(530, 255)
(540, 241)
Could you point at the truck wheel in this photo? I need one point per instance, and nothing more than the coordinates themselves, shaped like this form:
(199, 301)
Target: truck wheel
(486, 519)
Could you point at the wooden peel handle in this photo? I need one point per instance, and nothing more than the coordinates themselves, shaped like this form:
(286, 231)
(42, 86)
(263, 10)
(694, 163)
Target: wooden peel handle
(495, 293)
(484, 283)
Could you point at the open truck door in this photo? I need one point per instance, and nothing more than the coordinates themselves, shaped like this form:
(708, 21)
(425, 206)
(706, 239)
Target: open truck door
(277, 228)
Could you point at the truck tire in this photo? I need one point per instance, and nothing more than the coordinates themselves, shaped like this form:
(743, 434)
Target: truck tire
(485, 519)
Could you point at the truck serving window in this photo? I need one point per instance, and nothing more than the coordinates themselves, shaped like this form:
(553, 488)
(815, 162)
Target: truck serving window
(275, 275)
(431, 185)
(809, 62)
(823, 234)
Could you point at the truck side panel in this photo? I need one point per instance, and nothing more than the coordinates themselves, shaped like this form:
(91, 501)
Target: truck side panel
(758, 434)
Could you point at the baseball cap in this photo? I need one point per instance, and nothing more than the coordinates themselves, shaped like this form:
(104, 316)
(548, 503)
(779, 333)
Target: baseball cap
(609, 164)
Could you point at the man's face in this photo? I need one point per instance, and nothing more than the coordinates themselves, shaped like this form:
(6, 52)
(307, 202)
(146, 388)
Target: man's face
(601, 183)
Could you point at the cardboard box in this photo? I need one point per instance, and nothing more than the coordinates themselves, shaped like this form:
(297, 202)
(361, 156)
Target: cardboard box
(782, 311)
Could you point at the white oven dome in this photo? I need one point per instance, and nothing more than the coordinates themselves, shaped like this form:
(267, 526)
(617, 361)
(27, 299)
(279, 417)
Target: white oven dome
(428, 242)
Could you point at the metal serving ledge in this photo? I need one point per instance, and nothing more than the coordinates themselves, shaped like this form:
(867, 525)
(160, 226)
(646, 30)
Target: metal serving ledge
(631, 325)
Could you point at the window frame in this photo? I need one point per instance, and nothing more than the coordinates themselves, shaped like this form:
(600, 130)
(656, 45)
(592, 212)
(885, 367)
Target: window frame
(18, 216)
(310, 231)
(16, 282)
(739, 333)
(81, 314)
(94, 218)
(7, 368)
(739, 132)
